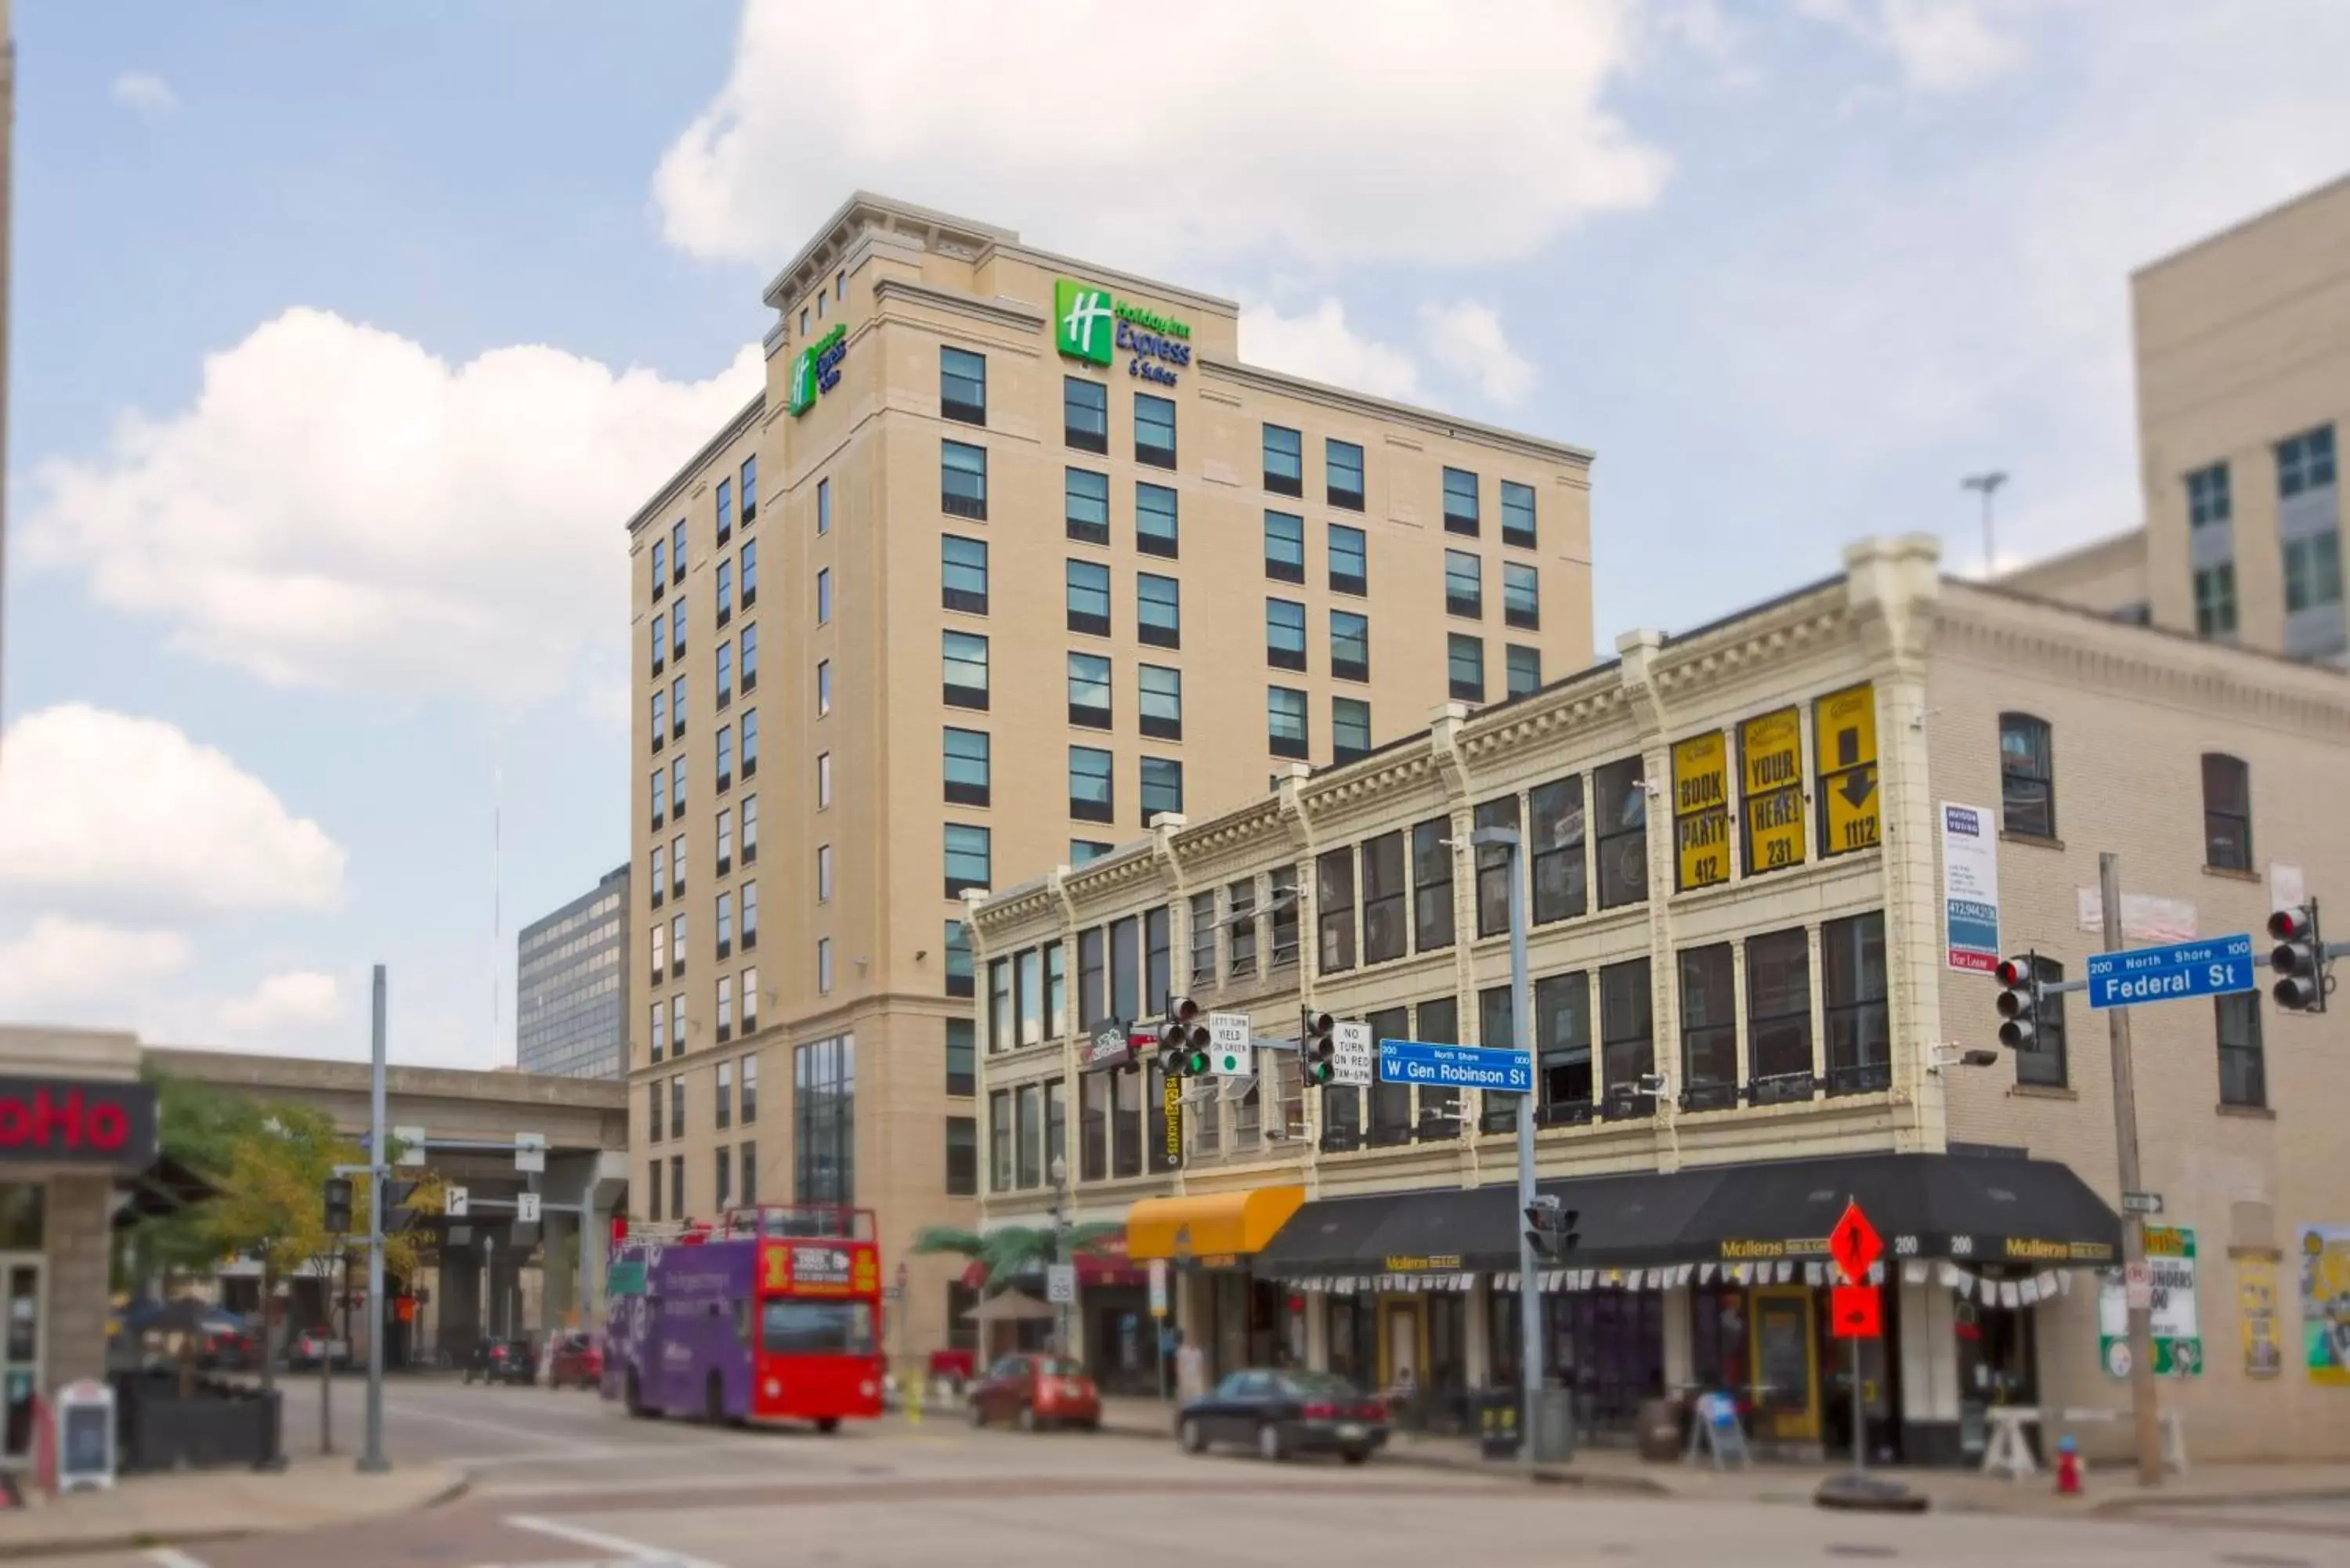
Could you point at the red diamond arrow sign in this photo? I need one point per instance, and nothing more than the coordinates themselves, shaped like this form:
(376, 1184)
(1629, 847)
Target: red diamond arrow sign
(1854, 1244)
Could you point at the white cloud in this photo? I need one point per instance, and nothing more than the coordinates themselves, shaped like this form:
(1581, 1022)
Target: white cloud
(1941, 46)
(146, 92)
(1467, 339)
(1321, 346)
(299, 1000)
(102, 810)
(1396, 130)
(72, 972)
(338, 508)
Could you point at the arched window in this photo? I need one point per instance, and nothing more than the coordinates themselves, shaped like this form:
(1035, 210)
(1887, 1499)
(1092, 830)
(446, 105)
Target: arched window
(2226, 812)
(2027, 776)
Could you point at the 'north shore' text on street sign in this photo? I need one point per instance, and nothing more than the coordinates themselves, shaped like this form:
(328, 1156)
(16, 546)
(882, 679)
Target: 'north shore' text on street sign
(2214, 966)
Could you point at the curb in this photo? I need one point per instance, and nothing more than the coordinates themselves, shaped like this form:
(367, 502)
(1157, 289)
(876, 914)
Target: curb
(134, 1541)
(1547, 1475)
(2121, 1507)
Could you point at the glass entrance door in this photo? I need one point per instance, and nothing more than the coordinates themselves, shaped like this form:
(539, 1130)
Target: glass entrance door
(23, 1341)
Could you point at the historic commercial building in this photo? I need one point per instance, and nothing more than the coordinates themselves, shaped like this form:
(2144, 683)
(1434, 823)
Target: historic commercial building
(1751, 1000)
(571, 985)
(1012, 556)
(2242, 346)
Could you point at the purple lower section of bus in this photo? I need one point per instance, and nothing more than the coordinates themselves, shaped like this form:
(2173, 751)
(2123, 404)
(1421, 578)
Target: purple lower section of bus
(683, 1347)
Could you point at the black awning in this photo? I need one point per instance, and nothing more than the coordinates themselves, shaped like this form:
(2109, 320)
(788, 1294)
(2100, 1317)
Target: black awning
(2029, 1211)
(164, 1187)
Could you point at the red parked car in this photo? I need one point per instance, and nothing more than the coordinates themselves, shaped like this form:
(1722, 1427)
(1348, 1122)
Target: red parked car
(579, 1358)
(1036, 1391)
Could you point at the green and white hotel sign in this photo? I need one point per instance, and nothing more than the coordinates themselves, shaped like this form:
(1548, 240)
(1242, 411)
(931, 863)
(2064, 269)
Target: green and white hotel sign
(1089, 323)
(818, 368)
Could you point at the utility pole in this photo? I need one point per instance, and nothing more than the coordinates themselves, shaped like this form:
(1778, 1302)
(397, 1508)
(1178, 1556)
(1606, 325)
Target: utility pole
(2141, 1308)
(371, 1458)
(1530, 1360)
(1988, 482)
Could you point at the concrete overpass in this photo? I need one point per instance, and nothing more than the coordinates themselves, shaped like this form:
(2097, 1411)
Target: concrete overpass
(490, 1274)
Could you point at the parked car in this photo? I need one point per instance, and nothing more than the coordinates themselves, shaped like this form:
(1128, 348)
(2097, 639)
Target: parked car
(1285, 1413)
(314, 1347)
(501, 1361)
(579, 1359)
(1033, 1392)
(228, 1344)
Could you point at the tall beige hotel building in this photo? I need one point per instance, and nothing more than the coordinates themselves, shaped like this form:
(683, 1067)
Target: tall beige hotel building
(1013, 557)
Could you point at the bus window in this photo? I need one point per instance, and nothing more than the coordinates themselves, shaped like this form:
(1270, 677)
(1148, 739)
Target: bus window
(816, 1328)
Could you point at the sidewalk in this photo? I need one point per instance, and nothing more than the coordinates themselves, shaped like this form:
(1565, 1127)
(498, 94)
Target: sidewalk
(2109, 1493)
(141, 1512)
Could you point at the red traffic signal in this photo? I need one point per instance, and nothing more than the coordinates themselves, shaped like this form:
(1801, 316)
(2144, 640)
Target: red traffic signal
(2299, 959)
(2019, 1001)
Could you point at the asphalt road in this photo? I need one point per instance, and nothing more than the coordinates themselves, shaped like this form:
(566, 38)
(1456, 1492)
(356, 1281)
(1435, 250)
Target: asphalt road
(562, 1479)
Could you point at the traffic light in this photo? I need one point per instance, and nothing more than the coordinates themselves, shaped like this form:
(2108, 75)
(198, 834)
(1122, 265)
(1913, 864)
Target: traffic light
(339, 1206)
(399, 1200)
(1182, 1040)
(2019, 1001)
(1550, 1226)
(2299, 959)
(1316, 1047)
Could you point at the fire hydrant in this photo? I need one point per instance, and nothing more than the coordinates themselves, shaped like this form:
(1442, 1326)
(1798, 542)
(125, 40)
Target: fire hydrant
(2068, 1468)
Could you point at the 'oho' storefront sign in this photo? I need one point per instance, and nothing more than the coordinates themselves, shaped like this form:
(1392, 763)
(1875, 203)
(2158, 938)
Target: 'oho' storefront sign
(1090, 323)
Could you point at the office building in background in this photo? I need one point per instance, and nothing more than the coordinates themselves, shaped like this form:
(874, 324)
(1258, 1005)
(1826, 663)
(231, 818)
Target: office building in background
(571, 985)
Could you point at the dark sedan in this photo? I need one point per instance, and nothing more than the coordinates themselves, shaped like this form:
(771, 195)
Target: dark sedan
(1282, 1413)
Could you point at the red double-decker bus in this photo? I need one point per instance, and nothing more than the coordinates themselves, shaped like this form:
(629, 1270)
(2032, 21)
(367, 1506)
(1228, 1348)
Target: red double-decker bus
(772, 1314)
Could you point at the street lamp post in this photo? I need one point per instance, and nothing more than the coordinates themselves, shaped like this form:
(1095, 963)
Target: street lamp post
(1988, 484)
(1530, 1361)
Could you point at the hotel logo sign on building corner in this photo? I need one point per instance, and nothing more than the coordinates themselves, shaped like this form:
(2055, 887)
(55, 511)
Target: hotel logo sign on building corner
(818, 368)
(1092, 324)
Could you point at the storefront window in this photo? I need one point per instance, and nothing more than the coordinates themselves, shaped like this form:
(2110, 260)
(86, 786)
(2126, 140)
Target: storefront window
(21, 1209)
(1717, 1339)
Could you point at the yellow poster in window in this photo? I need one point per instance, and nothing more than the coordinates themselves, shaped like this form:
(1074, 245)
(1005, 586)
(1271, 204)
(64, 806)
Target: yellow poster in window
(1844, 736)
(1771, 768)
(1702, 810)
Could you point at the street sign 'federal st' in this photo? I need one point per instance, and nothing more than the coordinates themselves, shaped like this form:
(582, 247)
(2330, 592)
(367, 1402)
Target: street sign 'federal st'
(2215, 966)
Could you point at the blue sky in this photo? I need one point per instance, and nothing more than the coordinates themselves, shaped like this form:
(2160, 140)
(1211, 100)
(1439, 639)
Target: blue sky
(347, 337)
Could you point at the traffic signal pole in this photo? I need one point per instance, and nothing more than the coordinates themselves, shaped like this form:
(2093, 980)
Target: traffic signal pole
(1529, 1282)
(2141, 1310)
(371, 1457)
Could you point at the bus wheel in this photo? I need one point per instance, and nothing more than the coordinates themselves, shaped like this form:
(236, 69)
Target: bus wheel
(827, 1424)
(635, 1399)
(713, 1401)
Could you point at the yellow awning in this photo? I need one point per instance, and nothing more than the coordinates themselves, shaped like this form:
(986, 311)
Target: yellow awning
(1211, 1224)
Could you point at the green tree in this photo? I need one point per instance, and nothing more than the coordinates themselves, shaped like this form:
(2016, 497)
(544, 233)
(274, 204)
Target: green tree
(199, 1126)
(1012, 1253)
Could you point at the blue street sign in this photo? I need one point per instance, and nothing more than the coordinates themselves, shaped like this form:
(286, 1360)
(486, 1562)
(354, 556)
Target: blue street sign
(2213, 967)
(1496, 1071)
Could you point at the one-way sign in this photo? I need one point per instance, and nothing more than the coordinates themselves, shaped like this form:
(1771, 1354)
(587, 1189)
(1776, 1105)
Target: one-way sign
(2141, 1202)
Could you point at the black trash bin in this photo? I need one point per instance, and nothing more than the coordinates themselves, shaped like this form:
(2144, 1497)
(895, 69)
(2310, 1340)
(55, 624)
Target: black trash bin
(1501, 1434)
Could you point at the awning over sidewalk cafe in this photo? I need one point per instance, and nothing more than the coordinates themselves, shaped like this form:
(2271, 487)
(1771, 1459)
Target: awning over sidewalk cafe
(2030, 1212)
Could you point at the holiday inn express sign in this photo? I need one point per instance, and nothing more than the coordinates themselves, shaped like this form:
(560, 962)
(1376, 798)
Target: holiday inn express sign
(818, 368)
(1092, 324)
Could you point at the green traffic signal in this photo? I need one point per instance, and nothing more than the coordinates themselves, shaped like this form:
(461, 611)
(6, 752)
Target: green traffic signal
(1317, 1072)
(1195, 1063)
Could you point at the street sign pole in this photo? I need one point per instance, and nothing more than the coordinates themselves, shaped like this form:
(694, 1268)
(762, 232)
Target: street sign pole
(1529, 1282)
(371, 1457)
(2141, 1312)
